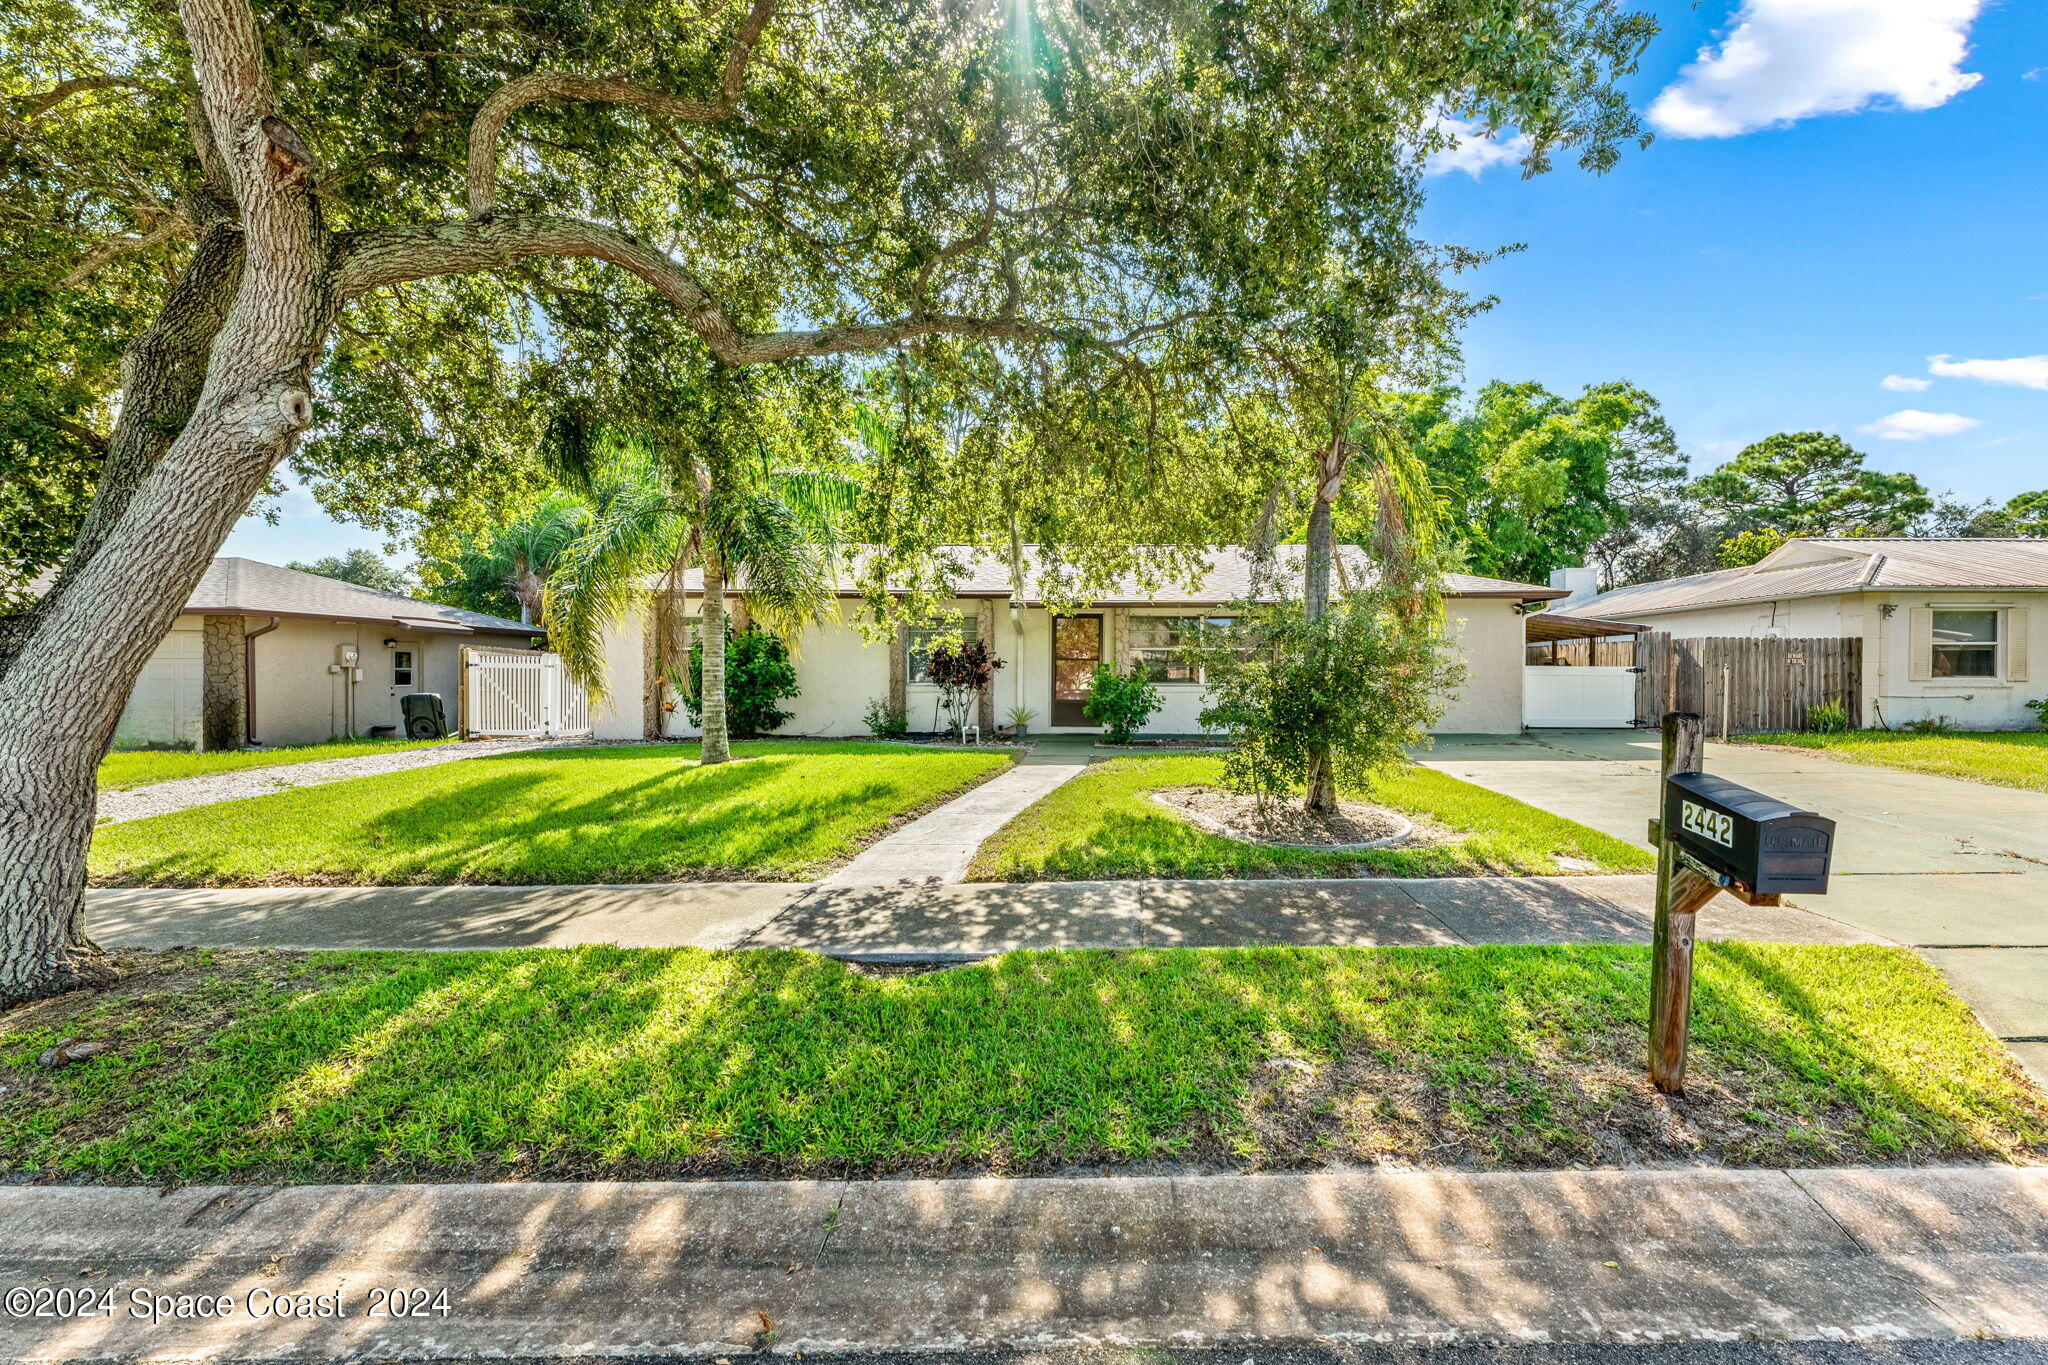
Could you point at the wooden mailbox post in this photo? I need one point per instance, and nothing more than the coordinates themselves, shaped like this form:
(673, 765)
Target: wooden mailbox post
(1712, 836)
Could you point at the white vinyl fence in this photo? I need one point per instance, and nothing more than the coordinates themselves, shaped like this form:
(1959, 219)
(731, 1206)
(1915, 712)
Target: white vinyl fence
(1578, 698)
(520, 694)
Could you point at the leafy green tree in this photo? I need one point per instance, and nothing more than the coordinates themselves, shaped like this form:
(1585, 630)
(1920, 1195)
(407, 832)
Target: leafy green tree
(1808, 483)
(1120, 701)
(1533, 482)
(504, 571)
(1344, 693)
(362, 567)
(1066, 183)
(2025, 514)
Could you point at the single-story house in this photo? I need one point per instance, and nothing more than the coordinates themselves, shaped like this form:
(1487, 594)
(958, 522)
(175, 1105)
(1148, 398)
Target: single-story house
(264, 655)
(1948, 625)
(1048, 659)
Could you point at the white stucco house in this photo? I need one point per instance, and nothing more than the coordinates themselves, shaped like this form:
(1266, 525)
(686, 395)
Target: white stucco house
(1048, 659)
(266, 655)
(1949, 626)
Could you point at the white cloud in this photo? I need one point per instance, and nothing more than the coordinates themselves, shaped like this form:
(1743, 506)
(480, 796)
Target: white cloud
(1474, 152)
(2027, 371)
(1911, 424)
(1786, 60)
(1906, 383)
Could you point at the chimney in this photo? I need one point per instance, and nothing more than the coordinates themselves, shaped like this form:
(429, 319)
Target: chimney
(1581, 582)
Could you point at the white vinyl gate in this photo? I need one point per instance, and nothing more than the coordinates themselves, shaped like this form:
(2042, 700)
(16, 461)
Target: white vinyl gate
(1575, 698)
(520, 694)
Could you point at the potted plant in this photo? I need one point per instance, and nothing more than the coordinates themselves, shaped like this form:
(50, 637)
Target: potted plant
(1020, 718)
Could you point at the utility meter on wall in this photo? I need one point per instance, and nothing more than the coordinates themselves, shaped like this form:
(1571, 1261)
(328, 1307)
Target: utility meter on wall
(346, 655)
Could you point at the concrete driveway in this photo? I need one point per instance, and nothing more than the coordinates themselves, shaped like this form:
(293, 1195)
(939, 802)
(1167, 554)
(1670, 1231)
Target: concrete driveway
(1956, 869)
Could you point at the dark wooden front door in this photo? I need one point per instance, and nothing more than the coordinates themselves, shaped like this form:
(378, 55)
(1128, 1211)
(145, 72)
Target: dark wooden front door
(1076, 649)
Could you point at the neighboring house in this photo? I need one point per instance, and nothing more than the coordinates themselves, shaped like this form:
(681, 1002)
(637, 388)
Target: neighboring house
(1048, 660)
(1948, 625)
(266, 655)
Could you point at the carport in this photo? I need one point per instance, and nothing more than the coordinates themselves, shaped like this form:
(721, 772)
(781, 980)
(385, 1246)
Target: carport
(1579, 672)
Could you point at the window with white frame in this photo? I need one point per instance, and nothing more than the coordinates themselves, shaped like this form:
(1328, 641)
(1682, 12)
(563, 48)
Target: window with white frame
(1158, 645)
(401, 668)
(1965, 644)
(920, 641)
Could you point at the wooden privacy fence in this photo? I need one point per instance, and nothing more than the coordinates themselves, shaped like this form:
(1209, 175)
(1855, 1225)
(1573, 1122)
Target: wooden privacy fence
(1747, 685)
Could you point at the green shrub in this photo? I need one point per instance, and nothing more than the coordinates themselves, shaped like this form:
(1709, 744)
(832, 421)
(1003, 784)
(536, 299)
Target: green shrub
(1930, 725)
(1120, 702)
(758, 674)
(886, 720)
(2039, 706)
(1828, 718)
(1351, 690)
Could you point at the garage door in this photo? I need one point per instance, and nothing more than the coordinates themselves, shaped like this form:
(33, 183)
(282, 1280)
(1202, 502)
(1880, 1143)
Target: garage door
(1572, 698)
(164, 707)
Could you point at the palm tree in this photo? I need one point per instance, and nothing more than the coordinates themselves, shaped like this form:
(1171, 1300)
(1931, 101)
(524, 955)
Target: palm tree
(775, 530)
(512, 563)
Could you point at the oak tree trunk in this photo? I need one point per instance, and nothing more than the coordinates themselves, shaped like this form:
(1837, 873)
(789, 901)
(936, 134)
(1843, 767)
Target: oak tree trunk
(84, 648)
(716, 746)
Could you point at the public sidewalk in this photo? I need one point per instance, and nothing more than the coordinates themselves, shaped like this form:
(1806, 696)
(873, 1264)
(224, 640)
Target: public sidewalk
(662, 1268)
(958, 921)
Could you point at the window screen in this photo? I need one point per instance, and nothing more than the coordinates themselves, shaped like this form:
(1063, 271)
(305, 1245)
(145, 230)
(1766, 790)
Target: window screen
(1966, 644)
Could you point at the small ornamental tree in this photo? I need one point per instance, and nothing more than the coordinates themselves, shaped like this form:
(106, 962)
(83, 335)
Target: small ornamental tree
(758, 674)
(1360, 684)
(1120, 702)
(962, 673)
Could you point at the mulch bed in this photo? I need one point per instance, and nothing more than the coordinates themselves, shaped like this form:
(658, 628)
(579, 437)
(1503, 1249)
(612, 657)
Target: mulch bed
(1284, 822)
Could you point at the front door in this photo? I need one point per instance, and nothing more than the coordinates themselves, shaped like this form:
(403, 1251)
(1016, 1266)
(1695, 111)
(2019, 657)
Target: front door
(1076, 649)
(406, 676)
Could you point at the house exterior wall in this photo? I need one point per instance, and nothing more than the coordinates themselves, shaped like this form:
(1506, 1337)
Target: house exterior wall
(298, 701)
(1487, 634)
(1891, 695)
(840, 673)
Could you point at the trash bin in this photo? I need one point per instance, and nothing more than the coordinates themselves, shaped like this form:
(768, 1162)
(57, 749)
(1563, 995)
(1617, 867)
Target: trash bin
(425, 718)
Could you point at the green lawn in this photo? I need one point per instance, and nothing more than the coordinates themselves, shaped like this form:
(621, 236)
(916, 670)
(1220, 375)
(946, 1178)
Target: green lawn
(616, 1063)
(1104, 825)
(2004, 758)
(638, 813)
(141, 767)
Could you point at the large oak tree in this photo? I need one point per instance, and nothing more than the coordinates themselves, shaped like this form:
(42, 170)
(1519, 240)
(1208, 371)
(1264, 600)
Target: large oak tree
(795, 179)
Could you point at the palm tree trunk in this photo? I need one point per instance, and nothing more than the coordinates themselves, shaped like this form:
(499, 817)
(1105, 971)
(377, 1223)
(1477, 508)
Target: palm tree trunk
(716, 746)
(1316, 567)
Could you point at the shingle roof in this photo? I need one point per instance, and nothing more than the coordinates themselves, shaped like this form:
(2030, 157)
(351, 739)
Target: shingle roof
(1810, 567)
(235, 585)
(1228, 579)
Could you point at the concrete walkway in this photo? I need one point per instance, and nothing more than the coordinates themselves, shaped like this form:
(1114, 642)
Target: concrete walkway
(1957, 869)
(161, 798)
(957, 921)
(937, 846)
(661, 1268)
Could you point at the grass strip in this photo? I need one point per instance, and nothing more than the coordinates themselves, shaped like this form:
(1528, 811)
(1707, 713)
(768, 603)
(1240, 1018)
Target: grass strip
(1104, 824)
(632, 813)
(617, 1063)
(2002, 758)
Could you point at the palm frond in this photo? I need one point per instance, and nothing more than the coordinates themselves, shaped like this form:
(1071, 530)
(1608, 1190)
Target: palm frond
(599, 575)
(789, 571)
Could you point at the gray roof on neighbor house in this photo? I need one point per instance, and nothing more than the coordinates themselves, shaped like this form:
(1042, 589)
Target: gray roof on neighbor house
(1226, 577)
(1815, 566)
(233, 585)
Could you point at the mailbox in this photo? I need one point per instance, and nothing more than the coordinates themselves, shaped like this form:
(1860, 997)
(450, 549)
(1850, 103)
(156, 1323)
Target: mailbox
(1756, 841)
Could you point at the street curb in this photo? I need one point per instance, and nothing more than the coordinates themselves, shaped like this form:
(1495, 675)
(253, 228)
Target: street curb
(675, 1268)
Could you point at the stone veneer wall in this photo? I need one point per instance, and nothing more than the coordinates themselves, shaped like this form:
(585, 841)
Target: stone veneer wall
(224, 683)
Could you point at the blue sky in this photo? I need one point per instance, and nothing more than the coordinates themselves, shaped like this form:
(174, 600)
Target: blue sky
(1840, 190)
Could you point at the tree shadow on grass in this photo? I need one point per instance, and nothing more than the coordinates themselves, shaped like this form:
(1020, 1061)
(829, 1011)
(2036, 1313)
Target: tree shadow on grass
(610, 1062)
(525, 823)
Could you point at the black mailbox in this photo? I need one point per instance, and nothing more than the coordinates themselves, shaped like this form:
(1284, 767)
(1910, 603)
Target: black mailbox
(1757, 841)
